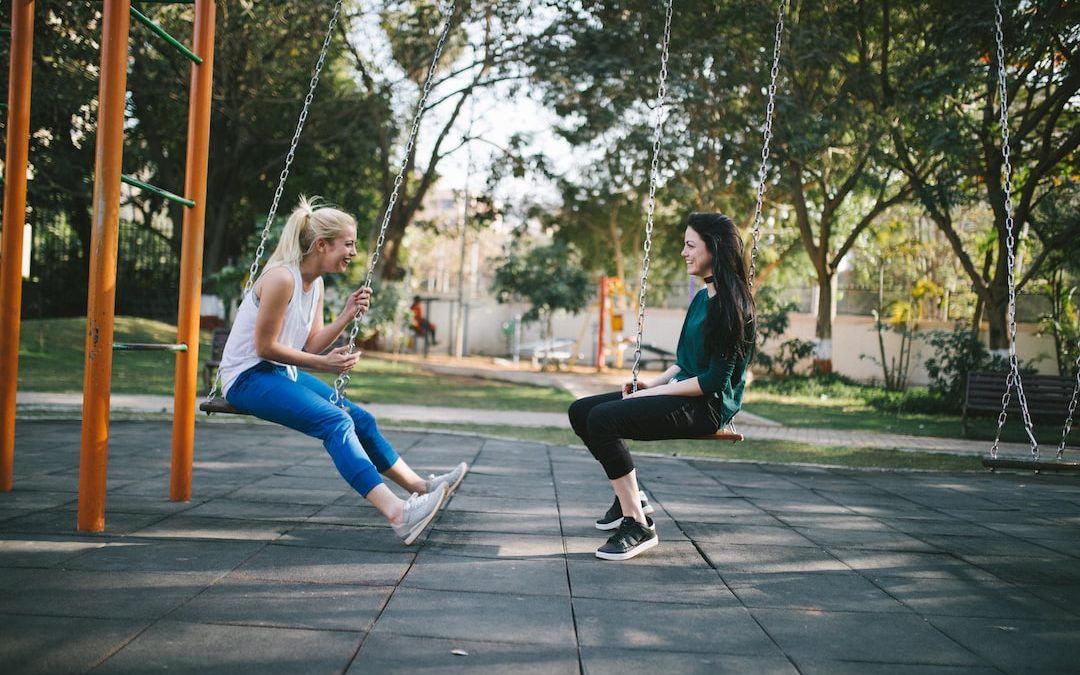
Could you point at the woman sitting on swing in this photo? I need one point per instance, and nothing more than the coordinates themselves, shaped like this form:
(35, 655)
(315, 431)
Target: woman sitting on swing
(695, 397)
(279, 328)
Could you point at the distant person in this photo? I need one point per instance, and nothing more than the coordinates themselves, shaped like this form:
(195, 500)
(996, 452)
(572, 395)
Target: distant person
(421, 326)
(279, 329)
(695, 397)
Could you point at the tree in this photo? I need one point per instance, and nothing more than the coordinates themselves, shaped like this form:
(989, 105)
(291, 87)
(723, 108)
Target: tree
(484, 50)
(943, 104)
(550, 278)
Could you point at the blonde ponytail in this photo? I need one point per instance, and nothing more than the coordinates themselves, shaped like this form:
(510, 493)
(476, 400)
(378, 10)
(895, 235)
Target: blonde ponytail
(307, 224)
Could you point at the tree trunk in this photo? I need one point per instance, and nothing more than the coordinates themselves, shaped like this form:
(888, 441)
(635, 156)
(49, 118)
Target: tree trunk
(822, 363)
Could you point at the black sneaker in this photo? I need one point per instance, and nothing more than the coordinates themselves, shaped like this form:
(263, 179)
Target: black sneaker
(629, 540)
(614, 515)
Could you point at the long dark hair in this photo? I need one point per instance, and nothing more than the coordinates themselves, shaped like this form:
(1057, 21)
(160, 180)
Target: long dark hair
(729, 323)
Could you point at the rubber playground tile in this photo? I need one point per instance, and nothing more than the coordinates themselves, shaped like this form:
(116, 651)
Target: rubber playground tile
(184, 526)
(535, 507)
(245, 510)
(233, 650)
(908, 564)
(25, 550)
(888, 637)
(156, 555)
(478, 521)
(378, 537)
(287, 605)
(109, 595)
(867, 539)
(323, 565)
(617, 661)
(1032, 646)
(756, 535)
(482, 575)
(394, 654)
(651, 578)
(651, 626)
(970, 598)
(63, 521)
(494, 544)
(827, 591)
(460, 615)
(823, 667)
(48, 644)
(769, 559)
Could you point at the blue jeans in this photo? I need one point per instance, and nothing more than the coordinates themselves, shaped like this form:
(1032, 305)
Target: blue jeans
(349, 434)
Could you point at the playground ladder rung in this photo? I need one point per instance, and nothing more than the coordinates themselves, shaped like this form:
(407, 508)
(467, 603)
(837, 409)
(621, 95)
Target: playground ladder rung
(148, 347)
(158, 191)
(160, 32)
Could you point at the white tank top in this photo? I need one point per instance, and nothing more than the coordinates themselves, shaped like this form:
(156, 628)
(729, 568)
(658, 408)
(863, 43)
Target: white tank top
(239, 353)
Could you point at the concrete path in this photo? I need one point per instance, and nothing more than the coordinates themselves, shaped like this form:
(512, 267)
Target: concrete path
(275, 566)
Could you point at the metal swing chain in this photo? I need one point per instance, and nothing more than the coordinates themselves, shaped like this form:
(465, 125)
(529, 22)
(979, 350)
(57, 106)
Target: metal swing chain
(342, 379)
(654, 168)
(767, 140)
(1072, 406)
(261, 250)
(1014, 365)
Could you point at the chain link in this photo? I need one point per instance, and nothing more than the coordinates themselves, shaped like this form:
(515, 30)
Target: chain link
(342, 380)
(1072, 405)
(1014, 377)
(261, 250)
(767, 141)
(654, 170)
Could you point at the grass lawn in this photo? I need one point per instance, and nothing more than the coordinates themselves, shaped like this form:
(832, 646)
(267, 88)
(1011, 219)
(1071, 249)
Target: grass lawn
(51, 359)
(852, 412)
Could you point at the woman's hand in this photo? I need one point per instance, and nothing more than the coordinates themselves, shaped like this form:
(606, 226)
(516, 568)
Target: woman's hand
(358, 301)
(628, 388)
(340, 360)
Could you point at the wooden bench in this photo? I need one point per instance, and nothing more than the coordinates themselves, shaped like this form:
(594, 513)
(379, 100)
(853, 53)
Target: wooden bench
(1047, 396)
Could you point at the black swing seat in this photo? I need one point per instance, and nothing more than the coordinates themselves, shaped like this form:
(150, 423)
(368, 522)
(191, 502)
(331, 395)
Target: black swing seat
(1031, 464)
(220, 406)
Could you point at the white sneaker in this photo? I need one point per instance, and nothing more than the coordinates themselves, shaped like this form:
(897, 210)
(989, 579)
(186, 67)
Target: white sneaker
(418, 511)
(451, 479)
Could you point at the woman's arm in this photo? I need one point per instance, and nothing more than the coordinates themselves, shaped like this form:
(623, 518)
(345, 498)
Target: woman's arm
(274, 291)
(688, 387)
(321, 336)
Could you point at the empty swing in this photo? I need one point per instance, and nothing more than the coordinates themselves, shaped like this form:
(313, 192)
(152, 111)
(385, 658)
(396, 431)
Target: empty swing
(728, 433)
(213, 404)
(1033, 461)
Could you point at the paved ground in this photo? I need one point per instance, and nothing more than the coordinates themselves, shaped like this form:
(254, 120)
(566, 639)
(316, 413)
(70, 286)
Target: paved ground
(275, 566)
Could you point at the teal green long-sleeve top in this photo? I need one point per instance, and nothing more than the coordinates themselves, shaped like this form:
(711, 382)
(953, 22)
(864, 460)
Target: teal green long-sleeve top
(721, 376)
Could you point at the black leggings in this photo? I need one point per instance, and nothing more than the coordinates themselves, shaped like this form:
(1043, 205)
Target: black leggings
(603, 422)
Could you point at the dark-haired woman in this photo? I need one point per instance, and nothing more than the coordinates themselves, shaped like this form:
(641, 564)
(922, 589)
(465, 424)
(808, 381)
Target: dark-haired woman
(695, 397)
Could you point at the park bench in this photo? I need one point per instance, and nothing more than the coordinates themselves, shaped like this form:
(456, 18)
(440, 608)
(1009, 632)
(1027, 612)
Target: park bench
(651, 354)
(217, 348)
(1047, 396)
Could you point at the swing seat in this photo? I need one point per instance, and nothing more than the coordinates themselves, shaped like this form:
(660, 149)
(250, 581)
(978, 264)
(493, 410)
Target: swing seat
(220, 406)
(724, 434)
(1031, 464)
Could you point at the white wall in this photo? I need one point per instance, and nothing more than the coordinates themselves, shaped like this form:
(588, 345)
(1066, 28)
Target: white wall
(853, 336)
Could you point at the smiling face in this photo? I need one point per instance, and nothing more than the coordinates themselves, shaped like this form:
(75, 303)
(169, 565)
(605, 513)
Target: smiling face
(696, 254)
(337, 253)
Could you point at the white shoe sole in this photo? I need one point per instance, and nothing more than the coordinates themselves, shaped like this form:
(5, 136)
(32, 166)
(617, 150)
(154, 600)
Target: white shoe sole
(422, 525)
(637, 550)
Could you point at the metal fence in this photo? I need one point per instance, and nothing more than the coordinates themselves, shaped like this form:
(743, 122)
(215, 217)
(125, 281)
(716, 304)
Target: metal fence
(147, 272)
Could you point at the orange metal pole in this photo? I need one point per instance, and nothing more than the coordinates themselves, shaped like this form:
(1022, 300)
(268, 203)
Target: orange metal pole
(101, 297)
(600, 330)
(191, 255)
(18, 142)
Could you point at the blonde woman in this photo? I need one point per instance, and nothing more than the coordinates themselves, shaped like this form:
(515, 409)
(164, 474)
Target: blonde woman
(279, 330)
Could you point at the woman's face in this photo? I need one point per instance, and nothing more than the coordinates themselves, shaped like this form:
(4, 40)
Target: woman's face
(696, 254)
(339, 252)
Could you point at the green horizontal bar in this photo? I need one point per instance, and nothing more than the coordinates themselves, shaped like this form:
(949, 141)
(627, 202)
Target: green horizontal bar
(149, 23)
(158, 191)
(148, 347)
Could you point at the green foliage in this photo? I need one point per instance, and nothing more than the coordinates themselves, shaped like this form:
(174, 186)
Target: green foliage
(772, 322)
(548, 277)
(955, 354)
